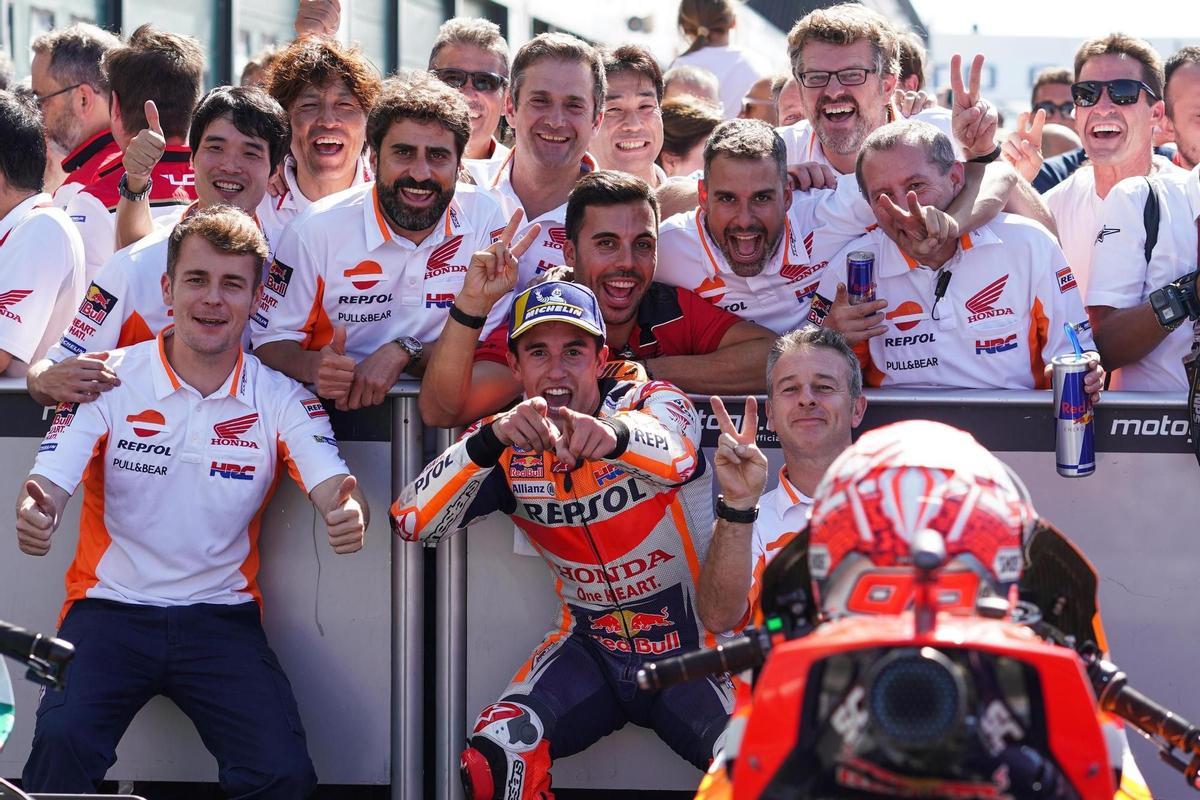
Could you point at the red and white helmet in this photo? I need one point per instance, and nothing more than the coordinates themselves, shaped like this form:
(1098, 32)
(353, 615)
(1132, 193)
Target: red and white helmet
(899, 480)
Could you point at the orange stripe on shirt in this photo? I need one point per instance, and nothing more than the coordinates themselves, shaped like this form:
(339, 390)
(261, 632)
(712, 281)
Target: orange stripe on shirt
(1039, 329)
(564, 630)
(689, 551)
(249, 567)
(317, 326)
(134, 330)
(440, 500)
(94, 538)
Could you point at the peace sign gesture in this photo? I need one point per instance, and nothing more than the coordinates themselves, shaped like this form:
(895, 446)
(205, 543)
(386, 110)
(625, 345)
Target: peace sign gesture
(973, 119)
(920, 231)
(492, 272)
(1023, 147)
(740, 466)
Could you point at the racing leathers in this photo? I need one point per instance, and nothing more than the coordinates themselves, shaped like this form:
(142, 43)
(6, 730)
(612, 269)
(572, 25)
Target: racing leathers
(624, 537)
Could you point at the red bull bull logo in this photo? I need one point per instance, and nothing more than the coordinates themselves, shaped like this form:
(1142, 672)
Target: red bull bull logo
(526, 467)
(97, 303)
(624, 622)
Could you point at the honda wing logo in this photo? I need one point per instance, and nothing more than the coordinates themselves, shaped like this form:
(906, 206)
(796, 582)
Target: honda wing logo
(233, 428)
(11, 298)
(441, 255)
(982, 305)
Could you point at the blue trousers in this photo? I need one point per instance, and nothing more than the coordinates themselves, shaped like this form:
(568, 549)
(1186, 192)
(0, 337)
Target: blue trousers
(213, 661)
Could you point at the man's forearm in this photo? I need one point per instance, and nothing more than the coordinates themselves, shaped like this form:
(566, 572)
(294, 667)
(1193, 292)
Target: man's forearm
(985, 193)
(1026, 202)
(722, 595)
(291, 359)
(35, 384)
(736, 369)
(446, 384)
(1125, 335)
(133, 220)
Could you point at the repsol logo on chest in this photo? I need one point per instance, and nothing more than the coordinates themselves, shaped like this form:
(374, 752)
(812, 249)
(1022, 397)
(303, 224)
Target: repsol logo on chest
(364, 299)
(610, 501)
(143, 447)
(906, 341)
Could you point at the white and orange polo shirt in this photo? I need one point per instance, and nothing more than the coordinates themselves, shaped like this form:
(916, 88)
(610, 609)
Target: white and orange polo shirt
(996, 326)
(546, 251)
(782, 515)
(818, 224)
(41, 278)
(177, 483)
(274, 213)
(804, 146)
(339, 263)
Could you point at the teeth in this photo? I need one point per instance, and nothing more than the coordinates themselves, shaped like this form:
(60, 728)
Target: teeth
(418, 192)
(327, 140)
(1106, 129)
(631, 145)
(558, 392)
(228, 186)
(556, 139)
(622, 284)
(746, 237)
(838, 108)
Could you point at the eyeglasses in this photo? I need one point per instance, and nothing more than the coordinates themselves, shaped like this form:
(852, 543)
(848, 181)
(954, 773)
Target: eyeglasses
(482, 81)
(1064, 109)
(1123, 92)
(851, 76)
(42, 98)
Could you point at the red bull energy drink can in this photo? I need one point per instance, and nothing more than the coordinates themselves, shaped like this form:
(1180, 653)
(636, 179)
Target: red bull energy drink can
(860, 277)
(1075, 444)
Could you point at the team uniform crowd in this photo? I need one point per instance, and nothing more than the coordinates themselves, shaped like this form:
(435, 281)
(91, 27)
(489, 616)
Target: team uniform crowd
(216, 271)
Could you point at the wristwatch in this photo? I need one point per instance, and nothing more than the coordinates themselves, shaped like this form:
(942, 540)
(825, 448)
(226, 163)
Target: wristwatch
(414, 347)
(123, 189)
(744, 516)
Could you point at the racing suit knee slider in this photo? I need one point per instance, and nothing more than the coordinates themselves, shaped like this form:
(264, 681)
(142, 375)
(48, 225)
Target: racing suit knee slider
(507, 756)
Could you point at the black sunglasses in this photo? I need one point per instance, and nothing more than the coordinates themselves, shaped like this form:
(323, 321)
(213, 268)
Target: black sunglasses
(1065, 109)
(482, 81)
(1123, 91)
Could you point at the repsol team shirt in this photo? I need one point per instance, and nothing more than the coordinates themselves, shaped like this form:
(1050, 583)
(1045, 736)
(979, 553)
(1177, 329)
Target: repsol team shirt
(177, 483)
(546, 252)
(483, 170)
(1121, 278)
(782, 514)
(83, 163)
(94, 207)
(340, 263)
(817, 225)
(123, 305)
(274, 213)
(804, 146)
(999, 322)
(41, 278)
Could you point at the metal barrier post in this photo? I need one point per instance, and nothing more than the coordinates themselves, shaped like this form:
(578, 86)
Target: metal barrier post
(408, 591)
(451, 697)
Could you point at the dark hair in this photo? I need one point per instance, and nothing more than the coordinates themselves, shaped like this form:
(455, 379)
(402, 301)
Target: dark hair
(253, 112)
(809, 337)
(1119, 44)
(312, 61)
(563, 47)
(1050, 75)
(23, 156)
(5, 70)
(912, 57)
(75, 54)
(635, 59)
(687, 121)
(700, 19)
(749, 139)
(606, 187)
(845, 24)
(225, 227)
(155, 65)
(419, 96)
(1187, 55)
(912, 132)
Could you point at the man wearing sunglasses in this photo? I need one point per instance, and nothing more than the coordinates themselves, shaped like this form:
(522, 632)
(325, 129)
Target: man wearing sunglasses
(471, 56)
(1118, 101)
(73, 95)
(1052, 94)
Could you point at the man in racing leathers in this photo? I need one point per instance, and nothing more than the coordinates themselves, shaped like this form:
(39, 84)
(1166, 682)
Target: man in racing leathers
(607, 480)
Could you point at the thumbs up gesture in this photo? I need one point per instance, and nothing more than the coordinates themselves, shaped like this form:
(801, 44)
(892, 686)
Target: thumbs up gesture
(344, 518)
(37, 517)
(335, 371)
(144, 151)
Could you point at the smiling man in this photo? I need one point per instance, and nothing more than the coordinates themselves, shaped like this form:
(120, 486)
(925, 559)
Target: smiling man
(814, 403)
(179, 462)
(607, 479)
(631, 135)
(364, 280)
(555, 104)
(238, 136)
(1118, 93)
(612, 248)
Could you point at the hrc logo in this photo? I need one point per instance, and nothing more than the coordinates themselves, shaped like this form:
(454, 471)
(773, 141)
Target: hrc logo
(993, 346)
(229, 471)
(439, 300)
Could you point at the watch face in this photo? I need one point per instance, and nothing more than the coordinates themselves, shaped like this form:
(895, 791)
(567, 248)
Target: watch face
(412, 345)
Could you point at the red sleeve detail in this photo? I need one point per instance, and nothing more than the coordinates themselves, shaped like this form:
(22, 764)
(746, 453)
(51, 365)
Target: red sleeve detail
(494, 348)
(705, 324)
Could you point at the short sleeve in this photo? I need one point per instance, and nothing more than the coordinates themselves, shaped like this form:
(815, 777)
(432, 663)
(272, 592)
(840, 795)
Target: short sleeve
(292, 296)
(1119, 253)
(101, 315)
(76, 431)
(33, 264)
(306, 438)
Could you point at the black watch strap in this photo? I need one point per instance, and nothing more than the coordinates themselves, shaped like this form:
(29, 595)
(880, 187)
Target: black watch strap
(463, 318)
(986, 159)
(133, 197)
(743, 516)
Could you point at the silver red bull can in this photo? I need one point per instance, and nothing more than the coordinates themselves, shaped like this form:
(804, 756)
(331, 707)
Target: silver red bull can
(860, 277)
(1076, 439)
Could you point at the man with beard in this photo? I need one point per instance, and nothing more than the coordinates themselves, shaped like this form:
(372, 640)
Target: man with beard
(555, 105)
(846, 59)
(471, 56)
(757, 249)
(611, 247)
(363, 280)
(238, 136)
(1118, 93)
(73, 94)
